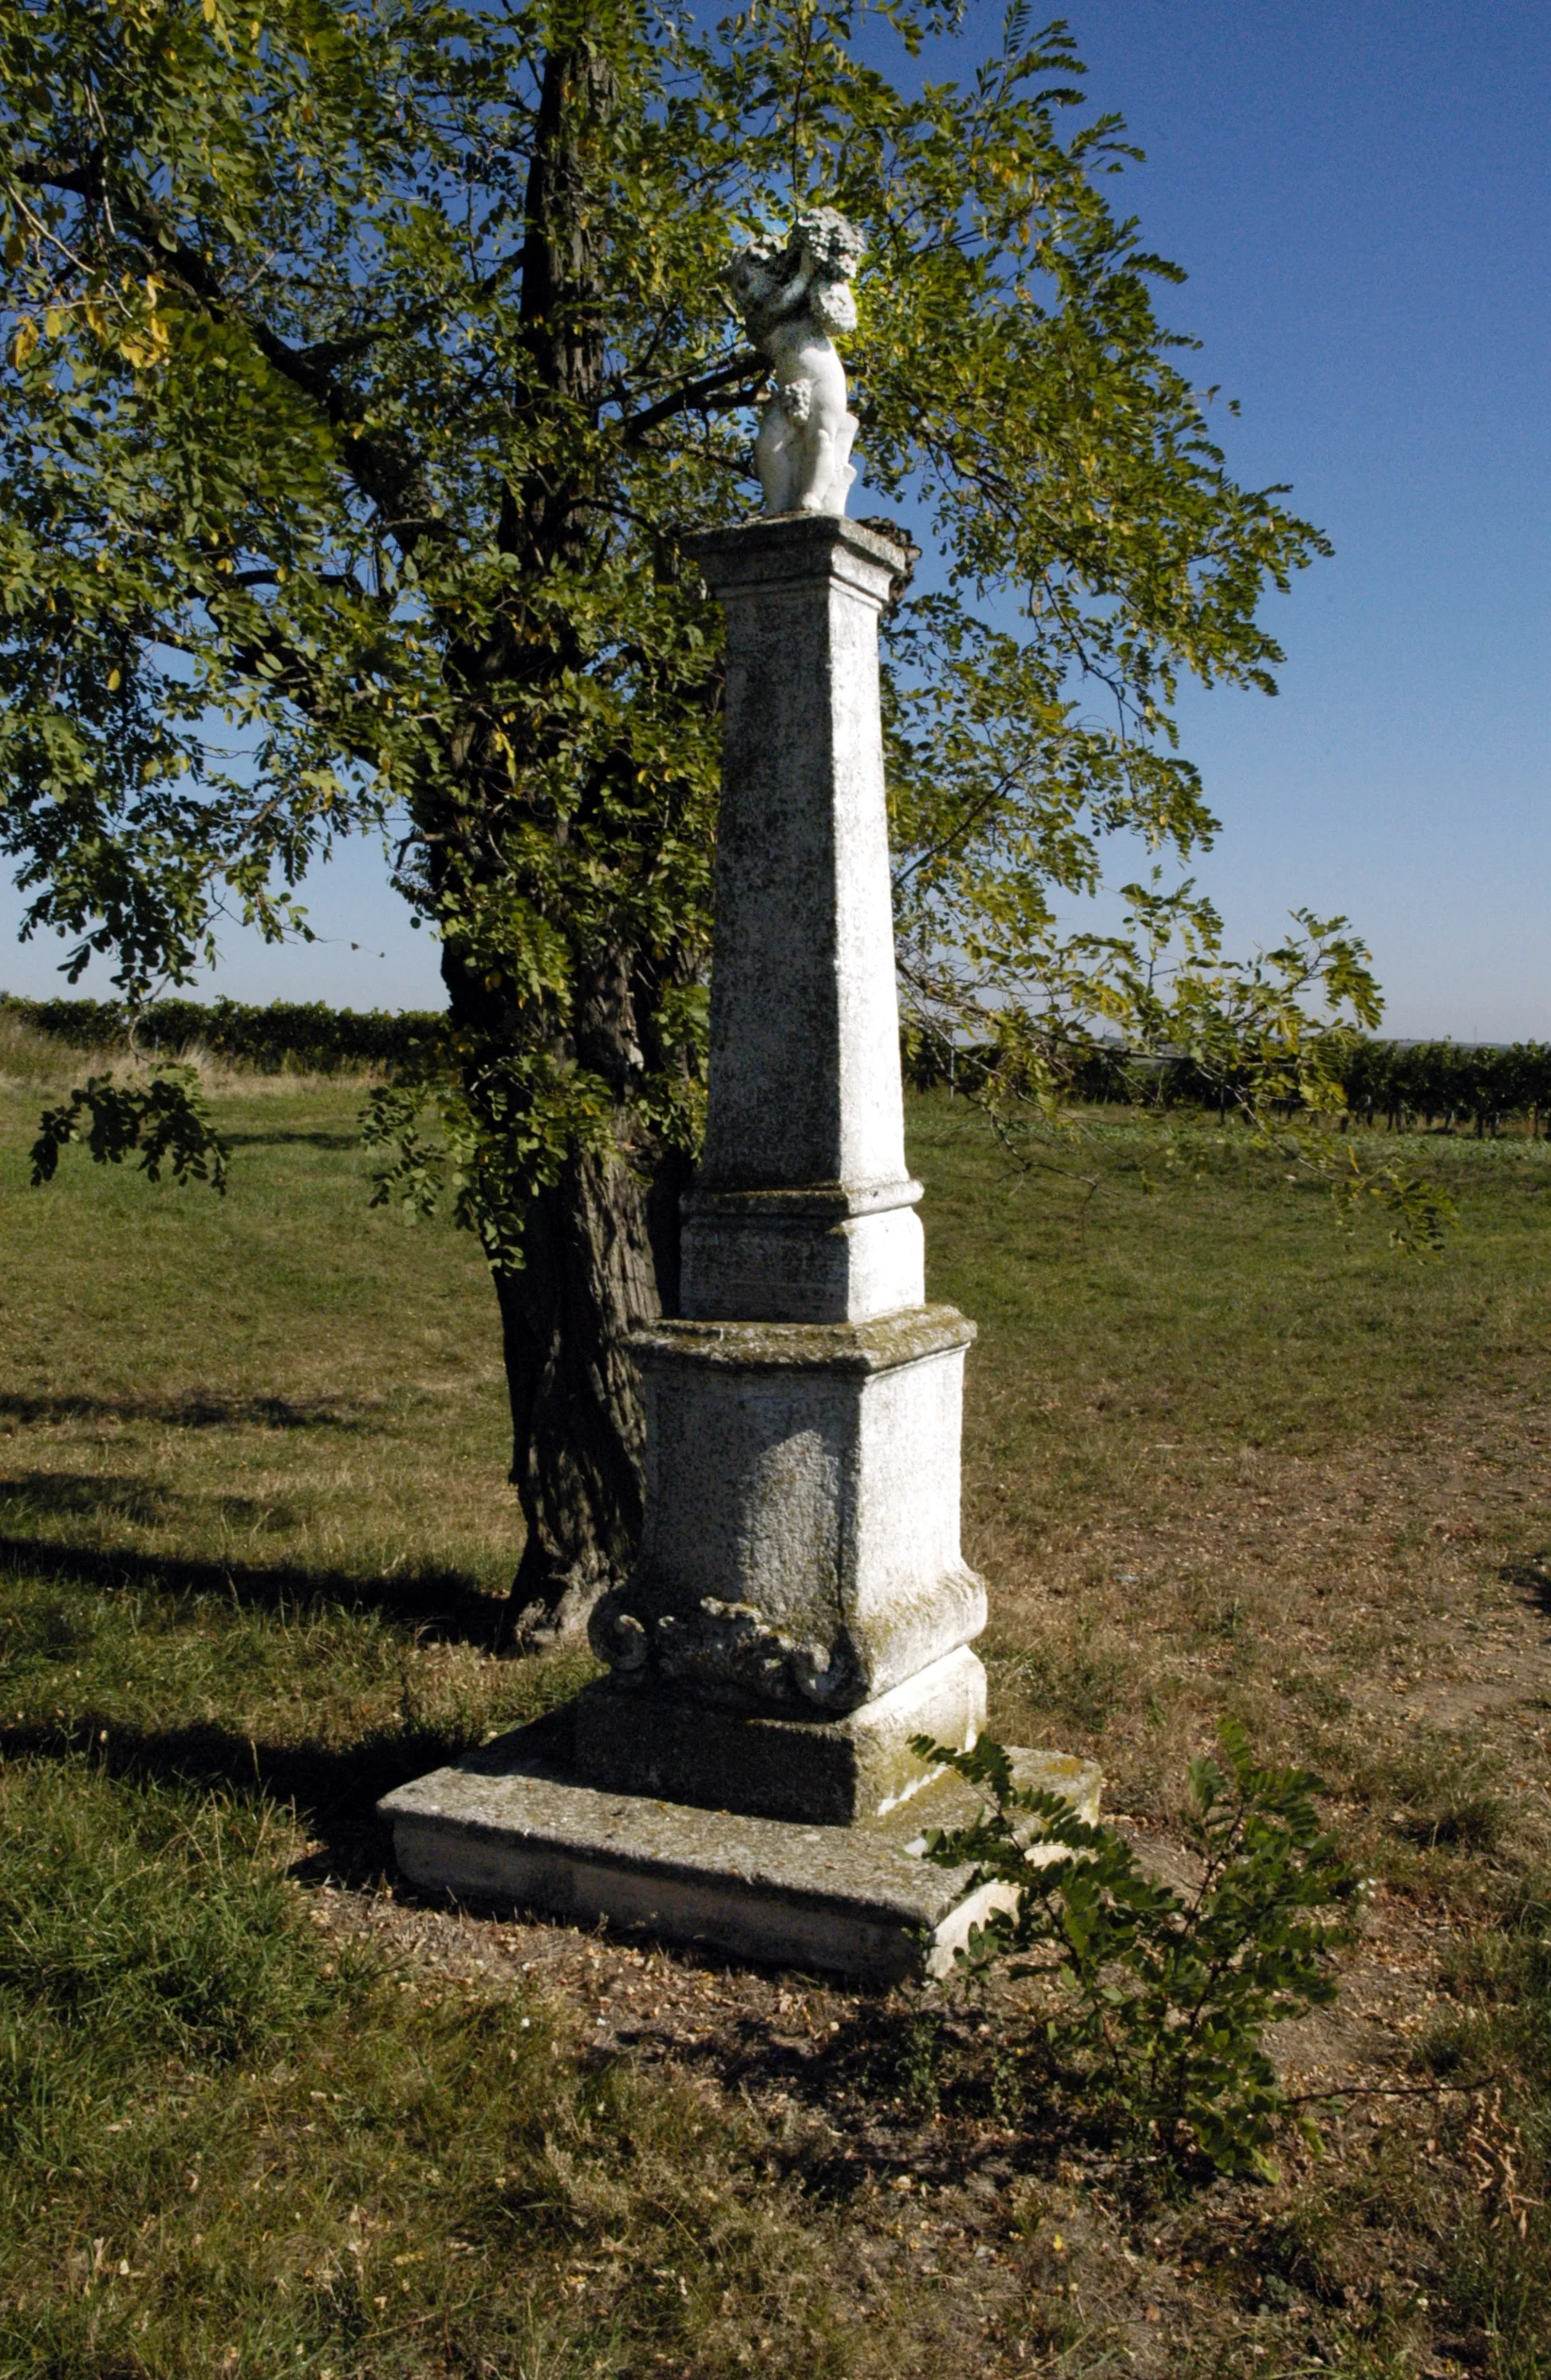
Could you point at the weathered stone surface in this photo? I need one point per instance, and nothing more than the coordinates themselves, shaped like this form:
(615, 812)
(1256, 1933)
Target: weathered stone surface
(801, 1548)
(829, 1772)
(508, 1825)
(800, 1256)
(799, 1557)
(803, 1087)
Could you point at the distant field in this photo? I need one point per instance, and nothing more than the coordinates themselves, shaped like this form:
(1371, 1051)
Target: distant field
(261, 2116)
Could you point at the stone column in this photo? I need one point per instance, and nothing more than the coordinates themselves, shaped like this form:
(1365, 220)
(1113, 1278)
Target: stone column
(800, 1607)
(803, 1210)
(743, 1778)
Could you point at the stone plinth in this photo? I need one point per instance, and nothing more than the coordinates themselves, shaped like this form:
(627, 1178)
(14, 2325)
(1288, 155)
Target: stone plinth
(510, 1826)
(827, 1772)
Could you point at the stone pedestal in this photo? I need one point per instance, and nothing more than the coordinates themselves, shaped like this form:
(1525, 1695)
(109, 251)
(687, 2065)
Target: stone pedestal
(800, 1575)
(799, 1565)
(800, 1609)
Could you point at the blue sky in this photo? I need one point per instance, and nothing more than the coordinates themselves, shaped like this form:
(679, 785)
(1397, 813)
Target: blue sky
(1359, 192)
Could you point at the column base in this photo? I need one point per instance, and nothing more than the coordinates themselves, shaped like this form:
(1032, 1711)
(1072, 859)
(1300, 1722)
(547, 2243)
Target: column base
(823, 1772)
(800, 1550)
(826, 1254)
(509, 1825)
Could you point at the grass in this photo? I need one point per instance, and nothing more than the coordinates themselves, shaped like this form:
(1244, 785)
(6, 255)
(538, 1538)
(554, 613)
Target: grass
(262, 2116)
(227, 2152)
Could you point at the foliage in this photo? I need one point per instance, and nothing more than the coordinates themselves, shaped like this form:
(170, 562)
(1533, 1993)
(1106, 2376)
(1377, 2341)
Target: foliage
(1400, 1083)
(1165, 1994)
(1450, 1083)
(363, 369)
(306, 1036)
(166, 1119)
(480, 1158)
(1268, 1038)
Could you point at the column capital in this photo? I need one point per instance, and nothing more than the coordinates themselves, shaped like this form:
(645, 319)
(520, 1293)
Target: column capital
(801, 548)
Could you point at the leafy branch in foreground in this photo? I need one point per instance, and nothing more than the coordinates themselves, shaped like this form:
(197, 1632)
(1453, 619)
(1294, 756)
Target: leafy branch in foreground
(1267, 1041)
(166, 1119)
(1163, 1994)
(479, 1160)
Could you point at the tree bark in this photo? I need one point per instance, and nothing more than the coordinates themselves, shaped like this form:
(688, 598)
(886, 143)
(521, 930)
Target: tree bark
(599, 1246)
(600, 1253)
(578, 1436)
(597, 1252)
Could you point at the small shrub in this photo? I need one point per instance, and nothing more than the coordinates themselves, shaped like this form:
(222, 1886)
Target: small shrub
(1163, 1995)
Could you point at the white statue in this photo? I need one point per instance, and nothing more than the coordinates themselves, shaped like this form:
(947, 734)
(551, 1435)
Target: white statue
(792, 296)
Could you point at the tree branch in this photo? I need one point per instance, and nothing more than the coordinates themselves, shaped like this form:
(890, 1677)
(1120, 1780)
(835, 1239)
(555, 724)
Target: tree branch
(749, 364)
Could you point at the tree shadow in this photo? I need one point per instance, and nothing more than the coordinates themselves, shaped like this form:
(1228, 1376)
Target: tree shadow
(1533, 1580)
(907, 2085)
(335, 1791)
(448, 1606)
(131, 1495)
(196, 1408)
(293, 1139)
(90, 1494)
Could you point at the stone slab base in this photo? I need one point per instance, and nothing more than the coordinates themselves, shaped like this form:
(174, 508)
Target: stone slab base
(825, 1772)
(508, 1825)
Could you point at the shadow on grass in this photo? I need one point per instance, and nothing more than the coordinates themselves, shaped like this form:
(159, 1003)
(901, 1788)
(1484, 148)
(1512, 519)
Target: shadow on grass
(444, 1605)
(1533, 1580)
(333, 1790)
(195, 1410)
(89, 1494)
(913, 2088)
(127, 1496)
(293, 1139)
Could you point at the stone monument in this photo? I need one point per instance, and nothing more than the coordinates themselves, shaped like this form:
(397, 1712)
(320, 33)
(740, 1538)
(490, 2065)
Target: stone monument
(793, 295)
(800, 1609)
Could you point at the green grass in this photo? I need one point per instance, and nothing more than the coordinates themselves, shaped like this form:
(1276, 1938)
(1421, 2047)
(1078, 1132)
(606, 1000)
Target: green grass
(1216, 1297)
(225, 2152)
(254, 1535)
(1172, 1382)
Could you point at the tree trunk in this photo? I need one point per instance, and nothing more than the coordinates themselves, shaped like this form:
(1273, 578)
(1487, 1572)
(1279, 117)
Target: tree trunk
(599, 1249)
(577, 1438)
(599, 1254)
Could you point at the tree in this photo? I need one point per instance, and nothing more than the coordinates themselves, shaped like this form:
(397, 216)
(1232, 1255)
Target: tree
(366, 366)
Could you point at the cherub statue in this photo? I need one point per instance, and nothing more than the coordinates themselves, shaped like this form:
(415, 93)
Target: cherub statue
(792, 295)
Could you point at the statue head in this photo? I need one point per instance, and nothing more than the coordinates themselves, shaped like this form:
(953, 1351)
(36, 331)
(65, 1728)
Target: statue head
(775, 279)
